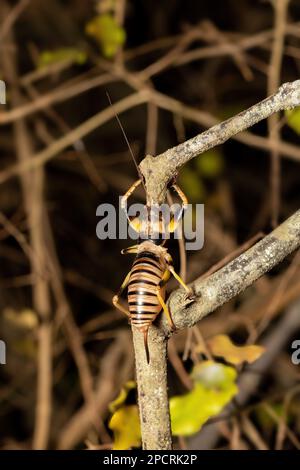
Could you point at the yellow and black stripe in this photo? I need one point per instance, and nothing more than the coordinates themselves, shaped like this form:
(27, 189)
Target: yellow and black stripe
(145, 278)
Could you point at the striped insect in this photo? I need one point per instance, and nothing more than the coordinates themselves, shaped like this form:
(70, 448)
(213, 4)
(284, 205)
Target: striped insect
(152, 266)
(150, 271)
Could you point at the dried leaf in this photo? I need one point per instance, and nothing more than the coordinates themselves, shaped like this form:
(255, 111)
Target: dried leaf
(222, 346)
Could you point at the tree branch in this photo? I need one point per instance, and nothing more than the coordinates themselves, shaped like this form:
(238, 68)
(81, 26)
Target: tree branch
(153, 390)
(158, 171)
(236, 276)
(211, 293)
(220, 287)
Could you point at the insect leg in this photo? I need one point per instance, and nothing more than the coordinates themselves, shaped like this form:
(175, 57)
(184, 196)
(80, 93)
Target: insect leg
(175, 220)
(128, 194)
(165, 309)
(116, 297)
(131, 249)
(165, 278)
(181, 194)
(178, 278)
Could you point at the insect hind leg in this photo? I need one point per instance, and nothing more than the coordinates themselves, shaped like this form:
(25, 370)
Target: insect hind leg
(119, 306)
(115, 299)
(165, 309)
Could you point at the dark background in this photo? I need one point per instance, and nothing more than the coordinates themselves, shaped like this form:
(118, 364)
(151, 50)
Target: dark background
(236, 195)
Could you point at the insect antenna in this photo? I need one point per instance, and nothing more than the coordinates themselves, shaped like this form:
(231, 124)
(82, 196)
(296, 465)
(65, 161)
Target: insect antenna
(127, 142)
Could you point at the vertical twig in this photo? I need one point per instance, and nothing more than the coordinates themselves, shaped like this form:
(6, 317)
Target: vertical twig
(152, 390)
(33, 188)
(280, 10)
(152, 378)
(12, 17)
(151, 134)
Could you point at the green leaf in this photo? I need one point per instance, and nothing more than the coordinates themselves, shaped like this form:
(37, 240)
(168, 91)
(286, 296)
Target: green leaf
(210, 164)
(192, 184)
(108, 34)
(71, 54)
(214, 388)
(293, 119)
(125, 425)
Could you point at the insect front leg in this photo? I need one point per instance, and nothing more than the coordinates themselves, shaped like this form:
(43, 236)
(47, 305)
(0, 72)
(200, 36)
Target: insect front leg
(116, 297)
(181, 194)
(174, 222)
(130, 250)
(127, 195)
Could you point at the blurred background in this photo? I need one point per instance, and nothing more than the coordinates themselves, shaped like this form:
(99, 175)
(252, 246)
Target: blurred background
(69, 351)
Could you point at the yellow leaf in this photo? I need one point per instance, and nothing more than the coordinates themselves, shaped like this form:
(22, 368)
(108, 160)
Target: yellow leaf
(125, 425)
(221, 345)
(293, 119)
(214, 388)
(26, 318)
(108, 34)
(62, 55)
(121, 398)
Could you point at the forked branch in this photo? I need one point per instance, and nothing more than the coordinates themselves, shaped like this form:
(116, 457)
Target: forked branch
(216, 289)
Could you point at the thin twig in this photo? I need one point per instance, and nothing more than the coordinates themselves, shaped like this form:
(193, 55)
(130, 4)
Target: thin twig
(160, 170)
(33, 189)
(12, 17)
(83, 129)
(76, 429)
(280, 8)
(58, 95)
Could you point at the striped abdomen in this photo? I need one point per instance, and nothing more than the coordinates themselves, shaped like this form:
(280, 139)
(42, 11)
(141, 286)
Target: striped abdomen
(146, 275)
